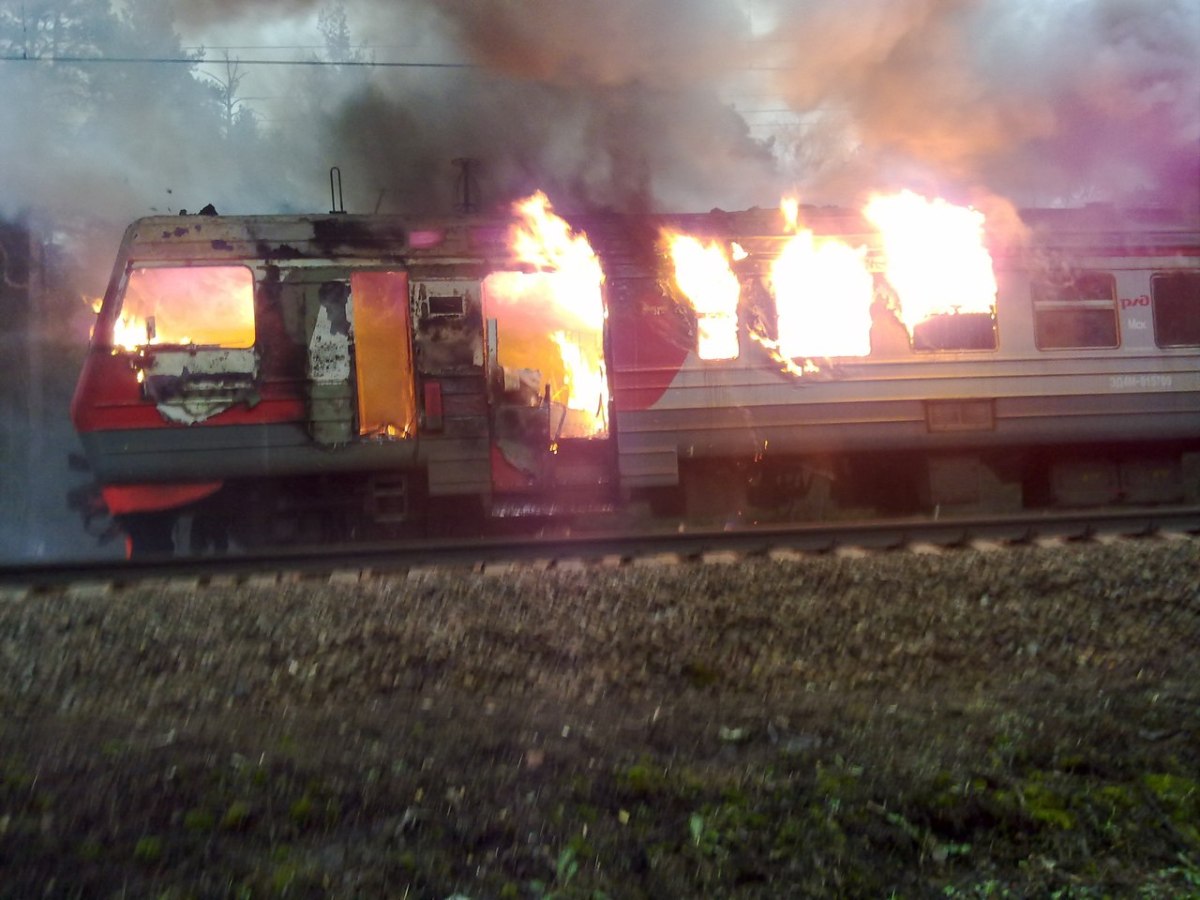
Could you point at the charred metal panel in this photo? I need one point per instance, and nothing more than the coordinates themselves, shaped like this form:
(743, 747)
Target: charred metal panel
(464, 408)
(279, 329)
(387, 237)
(448, 350)
(331, 402)
(267, 238)
(448, 336)
(191, 385)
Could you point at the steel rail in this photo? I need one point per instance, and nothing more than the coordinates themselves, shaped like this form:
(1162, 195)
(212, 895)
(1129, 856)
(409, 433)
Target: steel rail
(748, 541)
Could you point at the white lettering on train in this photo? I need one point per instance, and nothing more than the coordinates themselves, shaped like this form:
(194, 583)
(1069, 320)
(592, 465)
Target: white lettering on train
(1137, 382)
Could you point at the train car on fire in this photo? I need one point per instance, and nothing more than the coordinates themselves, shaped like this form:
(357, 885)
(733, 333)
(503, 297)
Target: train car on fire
(255, 380)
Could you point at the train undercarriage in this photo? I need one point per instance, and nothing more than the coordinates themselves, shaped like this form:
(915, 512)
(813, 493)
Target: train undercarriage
(258, 515)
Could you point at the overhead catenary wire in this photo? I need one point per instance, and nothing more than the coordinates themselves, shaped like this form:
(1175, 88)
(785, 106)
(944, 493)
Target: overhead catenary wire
(184, 61)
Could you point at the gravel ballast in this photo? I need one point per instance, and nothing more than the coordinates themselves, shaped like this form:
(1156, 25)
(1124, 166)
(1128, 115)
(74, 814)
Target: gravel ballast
(963, 724)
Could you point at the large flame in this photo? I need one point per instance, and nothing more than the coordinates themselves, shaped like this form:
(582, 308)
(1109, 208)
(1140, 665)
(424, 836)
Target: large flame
(823, 292)
(551, 320)
(936, 258)
(129, 331)
(704, 275)
(824, 289)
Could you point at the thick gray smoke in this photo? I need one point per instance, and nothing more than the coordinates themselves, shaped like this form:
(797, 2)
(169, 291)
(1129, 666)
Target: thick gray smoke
(637, 104)
(1043, 102)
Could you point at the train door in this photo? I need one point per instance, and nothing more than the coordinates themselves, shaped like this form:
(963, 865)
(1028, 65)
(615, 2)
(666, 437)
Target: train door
(448, 347)
(387, 406)
(547, 382)
(357, 354)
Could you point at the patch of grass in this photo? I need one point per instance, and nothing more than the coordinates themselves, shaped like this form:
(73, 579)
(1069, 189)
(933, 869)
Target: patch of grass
(148, 850)
(642, 780)
(113, 748)
(236, 817)
(91, 850)
(302, 812)
(1046, 804)
(199, 820)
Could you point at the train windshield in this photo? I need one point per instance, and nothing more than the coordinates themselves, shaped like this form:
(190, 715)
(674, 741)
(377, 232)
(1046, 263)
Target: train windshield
(195, 305)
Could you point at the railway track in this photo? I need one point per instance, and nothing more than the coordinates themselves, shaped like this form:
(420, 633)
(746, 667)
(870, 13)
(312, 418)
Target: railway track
(609, 548)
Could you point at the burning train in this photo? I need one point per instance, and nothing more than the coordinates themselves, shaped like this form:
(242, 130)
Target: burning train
(255, 380)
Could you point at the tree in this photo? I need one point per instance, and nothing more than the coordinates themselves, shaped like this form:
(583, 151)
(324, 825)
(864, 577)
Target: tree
(326, 85)
(42, 34)
(331, 22)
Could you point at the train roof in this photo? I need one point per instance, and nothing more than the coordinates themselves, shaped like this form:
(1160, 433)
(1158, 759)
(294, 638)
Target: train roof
(389, 238)
(293, 236)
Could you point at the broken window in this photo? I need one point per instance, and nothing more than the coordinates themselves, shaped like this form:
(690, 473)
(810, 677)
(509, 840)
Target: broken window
(550, 348)
(211, 306)
(1075, 310)
(956, 331)
(1176, 299)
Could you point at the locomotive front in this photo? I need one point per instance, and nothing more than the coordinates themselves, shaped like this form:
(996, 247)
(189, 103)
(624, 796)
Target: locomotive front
(266, 379)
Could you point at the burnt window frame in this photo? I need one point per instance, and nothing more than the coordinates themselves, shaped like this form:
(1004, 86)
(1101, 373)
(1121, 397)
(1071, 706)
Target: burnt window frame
(1066, 304)
(119, 308)
(921, 347)
(1154, 308)
(445, 306)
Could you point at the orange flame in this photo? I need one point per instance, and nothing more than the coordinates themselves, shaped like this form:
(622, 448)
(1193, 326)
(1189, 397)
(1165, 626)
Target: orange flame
(583, 377)
(209, 305)
(545, 240)
(129, 332)
(823, 292)
(936, 258)
(551, 321)
(824, 287)
(790, 208)
(704, 275)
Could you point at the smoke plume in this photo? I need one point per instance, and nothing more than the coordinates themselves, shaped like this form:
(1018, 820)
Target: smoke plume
(636, 104)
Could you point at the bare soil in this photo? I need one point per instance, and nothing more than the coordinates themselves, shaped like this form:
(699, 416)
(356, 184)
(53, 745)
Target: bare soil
(1005, 724)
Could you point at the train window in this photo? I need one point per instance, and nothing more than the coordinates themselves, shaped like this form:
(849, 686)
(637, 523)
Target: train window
(547, 348)
(210, 306)
(956, 331)
(1176, 299)
(1074, 310)
(446, 306)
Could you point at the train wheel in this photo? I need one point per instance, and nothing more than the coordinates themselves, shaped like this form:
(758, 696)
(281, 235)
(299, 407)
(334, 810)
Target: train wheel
(149, 535)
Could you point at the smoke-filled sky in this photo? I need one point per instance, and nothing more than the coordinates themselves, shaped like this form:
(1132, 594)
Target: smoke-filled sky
(651, 104)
